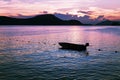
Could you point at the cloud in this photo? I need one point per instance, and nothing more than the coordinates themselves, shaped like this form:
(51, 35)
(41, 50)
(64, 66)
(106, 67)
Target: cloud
(86, 12)
(7, 0)
(107, 4)
(86, 19)
(45, 12)
(19, 7)
(106, 12)
(65, 9)
(91, 8)
(101, 17)
(36, 6)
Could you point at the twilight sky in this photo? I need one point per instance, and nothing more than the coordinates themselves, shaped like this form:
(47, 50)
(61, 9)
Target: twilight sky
(110, 9)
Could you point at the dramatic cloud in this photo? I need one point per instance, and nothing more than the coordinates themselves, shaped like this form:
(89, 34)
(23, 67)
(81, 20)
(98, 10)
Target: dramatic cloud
(92, 8)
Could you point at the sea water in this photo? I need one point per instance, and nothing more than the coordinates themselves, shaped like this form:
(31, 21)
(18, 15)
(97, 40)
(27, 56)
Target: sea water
(33, 53)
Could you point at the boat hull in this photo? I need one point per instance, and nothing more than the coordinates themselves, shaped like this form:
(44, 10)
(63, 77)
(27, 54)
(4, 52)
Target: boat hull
(71, 46)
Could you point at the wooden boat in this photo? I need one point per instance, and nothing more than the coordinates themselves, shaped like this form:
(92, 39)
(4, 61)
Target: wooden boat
(71, 46)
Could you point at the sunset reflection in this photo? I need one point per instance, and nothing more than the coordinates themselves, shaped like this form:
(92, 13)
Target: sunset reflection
(32, 51)
(38, 40)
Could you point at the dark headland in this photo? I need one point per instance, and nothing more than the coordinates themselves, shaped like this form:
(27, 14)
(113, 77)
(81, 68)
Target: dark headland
(108, 22)
(47, 19)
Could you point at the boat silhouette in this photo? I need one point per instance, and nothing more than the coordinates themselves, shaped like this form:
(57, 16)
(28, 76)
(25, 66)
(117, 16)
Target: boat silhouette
(72, 46)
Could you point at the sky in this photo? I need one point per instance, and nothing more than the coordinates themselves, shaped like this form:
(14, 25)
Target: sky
(109, 9)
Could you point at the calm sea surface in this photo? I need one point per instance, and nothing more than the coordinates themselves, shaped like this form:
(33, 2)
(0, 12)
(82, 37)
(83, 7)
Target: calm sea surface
(32, 53)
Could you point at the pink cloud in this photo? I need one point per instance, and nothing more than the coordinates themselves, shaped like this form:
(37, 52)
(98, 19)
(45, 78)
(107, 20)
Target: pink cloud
(92, 8)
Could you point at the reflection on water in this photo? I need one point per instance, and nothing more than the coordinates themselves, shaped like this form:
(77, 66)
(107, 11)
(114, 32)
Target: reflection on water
(28, 53)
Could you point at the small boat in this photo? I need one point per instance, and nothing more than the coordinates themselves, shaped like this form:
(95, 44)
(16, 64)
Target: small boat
(71, 46)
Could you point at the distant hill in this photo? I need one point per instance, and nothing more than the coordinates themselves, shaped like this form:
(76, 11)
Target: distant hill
(47, 19)
(108, 22)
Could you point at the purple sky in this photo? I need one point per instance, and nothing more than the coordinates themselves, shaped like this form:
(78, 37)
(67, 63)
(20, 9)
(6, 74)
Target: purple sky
(109, 9)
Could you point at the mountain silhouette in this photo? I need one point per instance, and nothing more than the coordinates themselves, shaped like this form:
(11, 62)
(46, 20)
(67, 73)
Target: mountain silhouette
(47, 19)
(108, 22)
